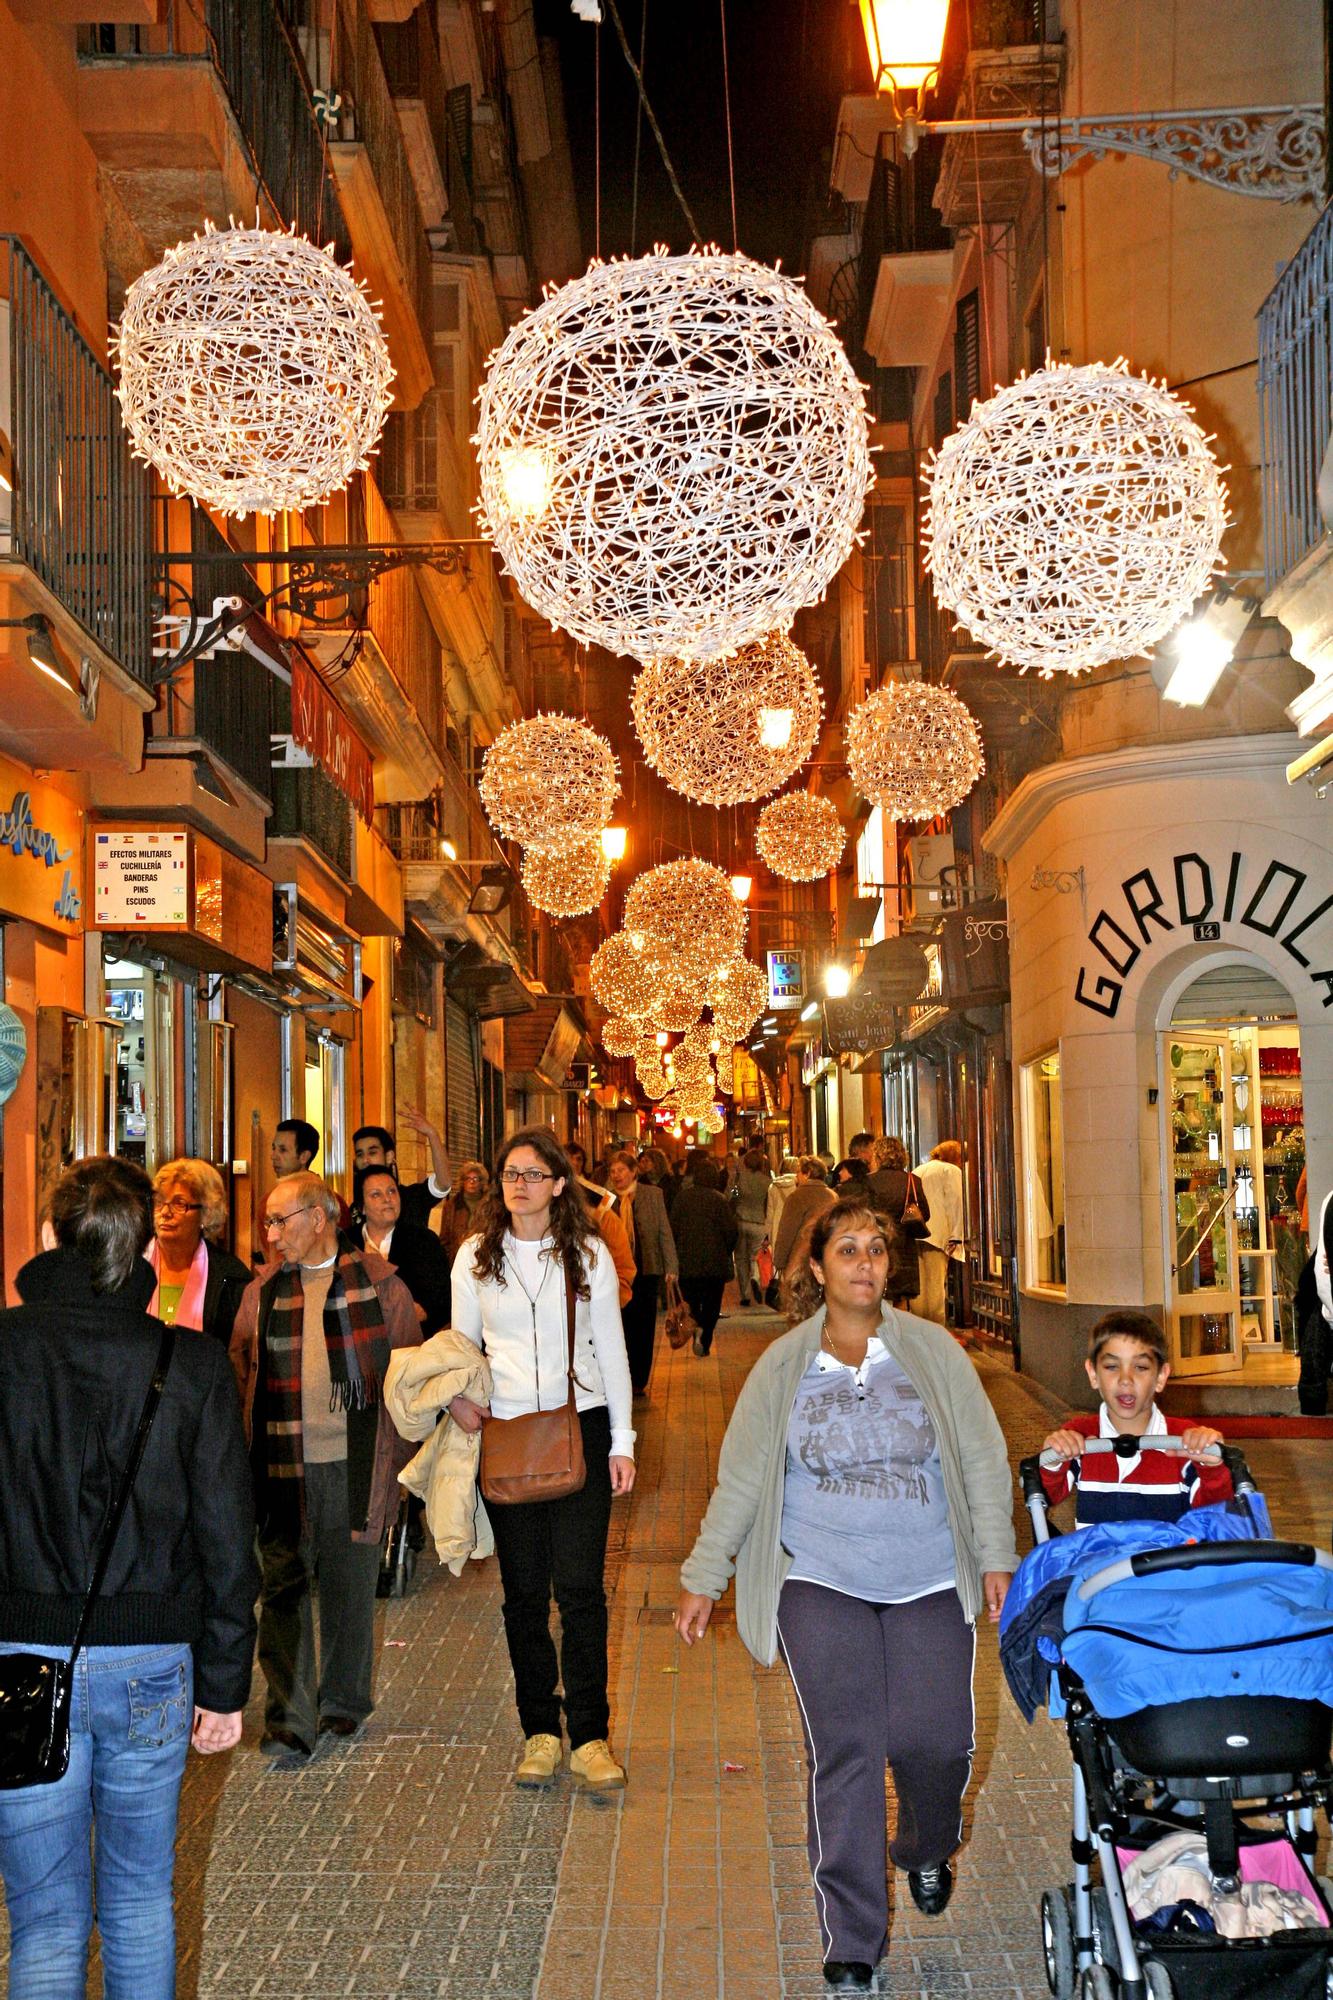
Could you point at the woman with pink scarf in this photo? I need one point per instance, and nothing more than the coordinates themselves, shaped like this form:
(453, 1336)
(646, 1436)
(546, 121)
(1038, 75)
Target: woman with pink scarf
(199, 1284)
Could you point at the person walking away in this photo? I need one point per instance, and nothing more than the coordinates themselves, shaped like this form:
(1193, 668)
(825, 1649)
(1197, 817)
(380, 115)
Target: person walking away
(895, 1192)
(941, 1180)
(374, 1146)
(171, 1641)
(752, 1184)
(653, 1247)
(604, 1208)
(310, 1347)
(1314, 1318)
(510, 1285)
(199, 1284)
(704, 1225)
(779, 1188)
(457, 1215)
(810, 1194)
(863, 1504)
(861, 1146)
(414, 1251)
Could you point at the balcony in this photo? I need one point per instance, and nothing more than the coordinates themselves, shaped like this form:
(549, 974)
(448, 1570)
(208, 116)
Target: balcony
(435, 122)
(988, 177)
(309, 807)
(74, 533)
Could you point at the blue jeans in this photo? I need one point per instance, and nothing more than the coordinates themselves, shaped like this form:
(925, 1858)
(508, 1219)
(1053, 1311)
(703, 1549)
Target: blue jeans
(130, 1723)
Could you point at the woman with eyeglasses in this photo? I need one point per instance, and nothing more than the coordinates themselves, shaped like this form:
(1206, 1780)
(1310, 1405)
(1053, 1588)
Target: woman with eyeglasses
(199, 1283)
(534, 1237)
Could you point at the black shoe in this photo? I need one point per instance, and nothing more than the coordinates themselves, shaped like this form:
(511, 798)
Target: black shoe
(285, 1748)
(931, 1888)
(849, 1975)
(338, 1725)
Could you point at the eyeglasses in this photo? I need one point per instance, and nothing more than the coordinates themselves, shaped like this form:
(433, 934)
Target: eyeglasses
(281, 1221)
(172, 1205)
(511, 1176)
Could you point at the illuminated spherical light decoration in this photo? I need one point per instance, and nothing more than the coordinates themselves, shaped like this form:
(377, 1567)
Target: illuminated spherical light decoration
(726, 1072)
(673, 454)
(549, 781)
(1075, 517)
(702, 722)
(692, 1065)
(688, 918)
(651, 1077)
(738, 995)
(254, 373)
(913, 749)
(620, 978)
(621, 1037)
(676, 1006)
(567, 882)
(800, 836)
(712, 1120)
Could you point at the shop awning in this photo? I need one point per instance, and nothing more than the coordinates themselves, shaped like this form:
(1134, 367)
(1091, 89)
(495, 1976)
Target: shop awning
(488, 987)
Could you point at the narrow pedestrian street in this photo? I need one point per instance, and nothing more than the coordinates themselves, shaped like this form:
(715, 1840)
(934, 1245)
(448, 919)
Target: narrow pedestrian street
(405, 1864)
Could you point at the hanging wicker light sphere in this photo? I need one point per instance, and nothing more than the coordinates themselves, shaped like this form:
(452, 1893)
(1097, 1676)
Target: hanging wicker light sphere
(726, 1072)
(673, 454)
(914, 749)
(621, 979)
(688, 918)
(738, 995)
(677, 1003)
(1075, 517)
(712, 1121)
(621, 1036)
(567, 882)
(800, 836)
(723, 731)
(692, 1065)
(549, 781)
(651, 1077)
(254, 373)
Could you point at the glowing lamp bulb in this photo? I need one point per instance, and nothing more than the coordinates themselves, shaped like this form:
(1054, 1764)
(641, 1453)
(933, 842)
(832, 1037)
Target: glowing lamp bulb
(662, 1038)
(741, 886)
(526, 480)
(775, 727)
(837, 982)
(448, 852)
(614, 839)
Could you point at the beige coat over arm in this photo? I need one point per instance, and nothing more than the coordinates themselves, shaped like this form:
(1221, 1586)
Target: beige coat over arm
(420, 1383)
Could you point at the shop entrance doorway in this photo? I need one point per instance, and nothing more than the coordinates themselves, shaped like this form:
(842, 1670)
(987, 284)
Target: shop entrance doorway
(141, 1002)
(1234, 1151)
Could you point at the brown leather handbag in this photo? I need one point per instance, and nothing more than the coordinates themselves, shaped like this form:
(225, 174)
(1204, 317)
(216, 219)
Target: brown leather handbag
(538, 1456)
(681, 1325)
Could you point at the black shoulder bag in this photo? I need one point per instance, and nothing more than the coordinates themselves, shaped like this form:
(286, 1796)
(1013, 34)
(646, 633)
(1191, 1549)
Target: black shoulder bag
(35, 1691)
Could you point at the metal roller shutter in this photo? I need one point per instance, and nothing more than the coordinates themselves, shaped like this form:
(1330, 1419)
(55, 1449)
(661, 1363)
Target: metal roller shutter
(462, 1084)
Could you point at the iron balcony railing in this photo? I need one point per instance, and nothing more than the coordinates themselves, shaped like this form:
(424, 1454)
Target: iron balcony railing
(77, 514)
(308, 806)
(1296, 400)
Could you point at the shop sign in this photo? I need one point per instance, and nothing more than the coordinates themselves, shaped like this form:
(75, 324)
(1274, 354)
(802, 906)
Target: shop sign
(41, 878)
(858, 1026)
(215, 907)
(141, 880)
(320, 727)
(786, 979)
(1189, 896)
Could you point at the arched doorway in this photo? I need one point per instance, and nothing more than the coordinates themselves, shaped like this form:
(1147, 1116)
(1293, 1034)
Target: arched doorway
(1233, 1155)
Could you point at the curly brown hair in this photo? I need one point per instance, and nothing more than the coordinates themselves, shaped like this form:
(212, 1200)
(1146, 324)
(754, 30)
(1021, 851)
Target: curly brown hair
(572, 1227)
(890, 1152)
(803, 1294)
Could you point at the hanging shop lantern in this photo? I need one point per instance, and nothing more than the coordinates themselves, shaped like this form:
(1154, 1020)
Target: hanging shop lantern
(1075, 518)
(570, 881)
(549, 782)
(800, 836)
(724, 731)
(254, 373)
(673, 454)
(913, 749)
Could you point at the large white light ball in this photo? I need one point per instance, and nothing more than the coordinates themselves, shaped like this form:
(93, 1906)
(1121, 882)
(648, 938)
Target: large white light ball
(674, 454)
(1074, 518)
(914, 749)
(254, 374)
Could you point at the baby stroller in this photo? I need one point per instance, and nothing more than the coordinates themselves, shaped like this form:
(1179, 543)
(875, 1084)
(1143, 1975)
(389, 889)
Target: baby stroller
(1193, 1665)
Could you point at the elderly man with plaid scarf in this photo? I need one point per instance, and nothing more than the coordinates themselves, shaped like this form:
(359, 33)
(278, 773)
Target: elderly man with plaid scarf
(310, 1348)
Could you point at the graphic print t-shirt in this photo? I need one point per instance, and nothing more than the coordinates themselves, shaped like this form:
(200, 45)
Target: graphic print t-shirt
(863, 1509)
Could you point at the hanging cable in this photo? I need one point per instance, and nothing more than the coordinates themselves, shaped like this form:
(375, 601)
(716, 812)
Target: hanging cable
(597, 138)
(726, 99)
(638, 137)
(650, 115)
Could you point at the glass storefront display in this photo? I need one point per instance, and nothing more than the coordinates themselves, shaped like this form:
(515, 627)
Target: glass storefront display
(1044, 1185)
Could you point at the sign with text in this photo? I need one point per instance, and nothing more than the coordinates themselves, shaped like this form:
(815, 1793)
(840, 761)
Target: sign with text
(320, 727)
(41, 852)
(786, 979)
(217, 908)
(140, 879)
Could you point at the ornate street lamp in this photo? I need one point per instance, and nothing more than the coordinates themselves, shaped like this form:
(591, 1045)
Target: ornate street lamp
(905, 39)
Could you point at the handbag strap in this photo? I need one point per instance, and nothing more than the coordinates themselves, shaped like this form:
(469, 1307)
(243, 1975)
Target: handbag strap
(569, 1327)
(165, 1350)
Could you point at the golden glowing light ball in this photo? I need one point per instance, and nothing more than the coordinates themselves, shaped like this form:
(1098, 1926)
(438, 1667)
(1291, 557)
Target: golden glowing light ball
(687, 917)
(549, 781)
(1075, 517)
(254, 373)
(567, 882)
(723, 731)
(673, 454)
(652, 1078)
(726, 1072)
(800, 836)
(677, 1003)
(914, 749)
(621, 1036)
(620, 978)
(738, 995)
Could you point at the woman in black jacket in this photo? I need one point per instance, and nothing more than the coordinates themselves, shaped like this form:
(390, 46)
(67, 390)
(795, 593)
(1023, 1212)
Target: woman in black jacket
(704, 1225)
(889, 1189)
(173, 1631)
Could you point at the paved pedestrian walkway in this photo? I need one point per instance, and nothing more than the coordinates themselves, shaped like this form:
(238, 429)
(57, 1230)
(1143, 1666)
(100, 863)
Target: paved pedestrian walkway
(404, 1863)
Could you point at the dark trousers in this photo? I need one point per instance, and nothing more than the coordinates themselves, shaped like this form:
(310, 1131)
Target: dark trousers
(639, 1319)
(877, 1684)
(299, 1692)
(558, 1548)
(704, 1299)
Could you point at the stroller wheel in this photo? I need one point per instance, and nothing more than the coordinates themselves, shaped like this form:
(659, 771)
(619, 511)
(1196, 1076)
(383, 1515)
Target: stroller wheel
(1159, 1980)
(1097, 1984)
(1057, 1943)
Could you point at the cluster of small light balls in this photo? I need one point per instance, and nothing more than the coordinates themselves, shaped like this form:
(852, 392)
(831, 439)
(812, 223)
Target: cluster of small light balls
(567, 881)
(693, 446)
(702, 723)
(914, 749)
(800, 836)
(1074, 518)
(549, 781)
(254, 373)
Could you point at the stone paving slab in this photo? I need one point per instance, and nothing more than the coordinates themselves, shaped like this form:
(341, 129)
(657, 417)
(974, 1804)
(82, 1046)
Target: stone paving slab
(402, 1865)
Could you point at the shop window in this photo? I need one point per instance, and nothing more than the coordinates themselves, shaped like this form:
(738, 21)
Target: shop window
(1044, 1177)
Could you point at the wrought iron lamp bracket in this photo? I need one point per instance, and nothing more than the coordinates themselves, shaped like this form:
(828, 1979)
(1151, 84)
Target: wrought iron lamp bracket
(1273, 152)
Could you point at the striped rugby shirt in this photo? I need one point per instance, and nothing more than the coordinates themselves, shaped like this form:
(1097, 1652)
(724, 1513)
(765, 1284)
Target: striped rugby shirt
(1151, 1486)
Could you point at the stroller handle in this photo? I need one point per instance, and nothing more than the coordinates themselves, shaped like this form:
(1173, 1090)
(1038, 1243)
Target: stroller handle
(1130, 1447)
(1205, 1555)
